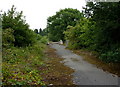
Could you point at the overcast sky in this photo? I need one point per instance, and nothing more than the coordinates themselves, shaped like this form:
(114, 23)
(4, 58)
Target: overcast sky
(37, 11)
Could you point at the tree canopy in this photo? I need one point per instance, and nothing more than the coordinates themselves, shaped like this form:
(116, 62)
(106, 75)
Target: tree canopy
(58, 23)
(99, 30)
(16, 21)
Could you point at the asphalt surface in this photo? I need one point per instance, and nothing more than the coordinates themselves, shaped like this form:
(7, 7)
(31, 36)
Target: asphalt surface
(85, 73)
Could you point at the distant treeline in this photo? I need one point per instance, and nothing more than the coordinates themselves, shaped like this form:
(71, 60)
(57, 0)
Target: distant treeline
(41, 32)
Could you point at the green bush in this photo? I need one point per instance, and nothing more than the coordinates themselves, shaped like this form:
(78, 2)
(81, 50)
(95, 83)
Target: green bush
(111, 56)
(44, 40)
(81, 35)
(39, 37)
(8, 38)
(25, 38)
(22, 34)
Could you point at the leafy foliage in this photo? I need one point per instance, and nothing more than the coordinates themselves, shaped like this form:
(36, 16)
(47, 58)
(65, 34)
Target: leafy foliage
(98, 31)
(22, 34)
(106, 16)
(20, 65)
(58, 23)
(44, 32)
(8, 38)
(44, 39)
(22, 51)
(80, 35)
(111, 56)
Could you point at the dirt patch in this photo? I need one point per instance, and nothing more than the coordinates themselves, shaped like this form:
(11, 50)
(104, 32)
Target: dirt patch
(56, 72)
(93, 59)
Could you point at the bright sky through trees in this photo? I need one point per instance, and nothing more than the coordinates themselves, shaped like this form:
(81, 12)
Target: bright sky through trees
(37, 11)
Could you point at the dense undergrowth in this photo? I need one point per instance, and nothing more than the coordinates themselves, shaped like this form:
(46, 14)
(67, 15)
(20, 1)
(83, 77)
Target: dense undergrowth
(20, 65)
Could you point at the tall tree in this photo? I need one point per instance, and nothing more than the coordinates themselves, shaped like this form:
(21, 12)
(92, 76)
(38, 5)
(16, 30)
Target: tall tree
(106, 16)
(107, 28)
(58, 23)
(15, 20)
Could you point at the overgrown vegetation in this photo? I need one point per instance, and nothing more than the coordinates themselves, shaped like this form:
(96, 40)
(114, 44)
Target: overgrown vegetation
(106, 31)
(15, 21)
(21, 65)
(80, 36)
(57, 23)
(22, 51)
(97, 30)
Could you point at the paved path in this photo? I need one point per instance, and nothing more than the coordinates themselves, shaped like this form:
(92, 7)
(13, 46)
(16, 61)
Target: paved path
(85, 73)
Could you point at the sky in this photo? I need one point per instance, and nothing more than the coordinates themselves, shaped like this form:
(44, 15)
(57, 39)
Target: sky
(37, 11)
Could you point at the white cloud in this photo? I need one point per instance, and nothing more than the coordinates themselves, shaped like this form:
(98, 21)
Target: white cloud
(37, 11)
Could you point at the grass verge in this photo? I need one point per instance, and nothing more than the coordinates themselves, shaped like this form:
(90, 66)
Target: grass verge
(33, 66)
(20, 65)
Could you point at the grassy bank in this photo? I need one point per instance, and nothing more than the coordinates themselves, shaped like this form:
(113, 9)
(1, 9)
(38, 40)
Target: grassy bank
(34, 65)
(20, 66)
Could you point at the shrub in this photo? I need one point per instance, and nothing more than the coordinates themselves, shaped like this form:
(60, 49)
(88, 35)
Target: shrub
(111, 56)
(8, 38)
(44, 40)
(22, 34)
